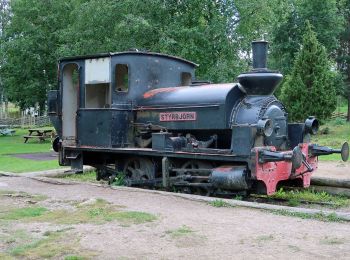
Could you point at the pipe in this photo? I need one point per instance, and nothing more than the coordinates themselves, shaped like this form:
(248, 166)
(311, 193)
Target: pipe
(259, 49)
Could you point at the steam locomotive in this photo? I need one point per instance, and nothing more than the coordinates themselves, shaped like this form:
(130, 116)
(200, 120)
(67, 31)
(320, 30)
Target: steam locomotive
(145, 115)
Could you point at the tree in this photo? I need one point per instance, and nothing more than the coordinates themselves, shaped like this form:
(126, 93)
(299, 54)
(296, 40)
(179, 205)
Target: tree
(4, 19)
(309, 89)
(327, 22)
(29, 47)
(214, 34)
(343, 57)
(196, 30)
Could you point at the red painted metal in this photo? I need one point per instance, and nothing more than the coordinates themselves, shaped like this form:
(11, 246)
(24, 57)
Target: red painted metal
(156, 91)
(177, 116)
(272, 172)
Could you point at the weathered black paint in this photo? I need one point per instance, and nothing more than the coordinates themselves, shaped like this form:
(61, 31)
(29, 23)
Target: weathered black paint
(216, 123)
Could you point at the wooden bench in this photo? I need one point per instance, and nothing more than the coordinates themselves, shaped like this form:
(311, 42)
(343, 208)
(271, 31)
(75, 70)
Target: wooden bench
(40, 134)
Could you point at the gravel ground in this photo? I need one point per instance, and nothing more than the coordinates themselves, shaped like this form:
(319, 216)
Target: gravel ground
(338, 170)
(216, 233)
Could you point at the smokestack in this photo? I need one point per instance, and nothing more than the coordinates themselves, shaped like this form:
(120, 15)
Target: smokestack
(259, 49)
(260, 80)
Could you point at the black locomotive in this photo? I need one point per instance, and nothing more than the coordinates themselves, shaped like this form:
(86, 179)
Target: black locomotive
(144, 115)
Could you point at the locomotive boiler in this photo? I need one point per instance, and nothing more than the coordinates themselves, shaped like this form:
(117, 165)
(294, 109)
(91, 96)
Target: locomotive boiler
(144, 116)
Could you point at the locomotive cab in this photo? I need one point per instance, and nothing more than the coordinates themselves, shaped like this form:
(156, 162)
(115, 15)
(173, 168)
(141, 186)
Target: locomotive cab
(108, 85)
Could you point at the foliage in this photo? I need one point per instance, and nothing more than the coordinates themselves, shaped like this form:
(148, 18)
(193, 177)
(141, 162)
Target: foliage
(287, 33)
(309, 89)
(120, 179)
(343, 58)
(195, 30)
(29, 46)
(214, 34)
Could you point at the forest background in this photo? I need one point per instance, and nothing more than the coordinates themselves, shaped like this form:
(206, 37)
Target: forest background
(216, 34)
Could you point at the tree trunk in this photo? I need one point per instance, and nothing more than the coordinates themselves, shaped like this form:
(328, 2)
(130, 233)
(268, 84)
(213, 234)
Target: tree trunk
(6, 109)
(348, 115)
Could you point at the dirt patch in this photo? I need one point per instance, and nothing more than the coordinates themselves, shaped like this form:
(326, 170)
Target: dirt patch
(37, 156)
(337, 170)
(185, 229)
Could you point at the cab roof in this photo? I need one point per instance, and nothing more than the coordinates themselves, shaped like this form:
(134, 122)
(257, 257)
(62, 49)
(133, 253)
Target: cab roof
(110, 54)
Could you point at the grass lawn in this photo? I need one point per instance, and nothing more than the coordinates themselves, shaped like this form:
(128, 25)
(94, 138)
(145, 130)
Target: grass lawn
(338, 133)
(15, 145)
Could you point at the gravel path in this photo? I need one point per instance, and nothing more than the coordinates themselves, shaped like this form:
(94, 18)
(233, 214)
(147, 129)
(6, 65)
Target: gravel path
(338, 170)
(218, 233)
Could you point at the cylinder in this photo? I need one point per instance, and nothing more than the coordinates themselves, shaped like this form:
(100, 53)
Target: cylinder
(259, 49)
(230, 177)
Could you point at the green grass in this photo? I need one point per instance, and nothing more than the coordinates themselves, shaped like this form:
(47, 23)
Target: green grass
(119, 180)
(339, 132)
(133, 217)
(15, 145)
(99, 212)
(89, 176)
(180, 232)
(319, 216)
(53, 245)
(96, 211)
(295, 197)
(22, 213)
(219, 203)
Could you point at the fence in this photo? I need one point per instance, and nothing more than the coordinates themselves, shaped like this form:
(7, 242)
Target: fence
(26, 121)
(338, 115)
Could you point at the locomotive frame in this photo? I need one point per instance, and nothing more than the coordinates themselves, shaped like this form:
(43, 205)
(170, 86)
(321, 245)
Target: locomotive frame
(144, 114)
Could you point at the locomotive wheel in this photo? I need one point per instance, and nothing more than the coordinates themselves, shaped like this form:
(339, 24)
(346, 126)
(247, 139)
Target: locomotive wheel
(193, 164)
(139, 169)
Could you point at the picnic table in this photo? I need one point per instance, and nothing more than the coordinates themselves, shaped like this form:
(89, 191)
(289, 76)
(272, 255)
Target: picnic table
(5, 130)
(40, 134)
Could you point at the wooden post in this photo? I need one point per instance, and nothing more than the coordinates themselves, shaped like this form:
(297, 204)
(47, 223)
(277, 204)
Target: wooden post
(165, 172)
(340, 183)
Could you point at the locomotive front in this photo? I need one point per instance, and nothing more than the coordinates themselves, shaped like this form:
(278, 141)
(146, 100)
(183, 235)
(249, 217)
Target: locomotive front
(281, 151)
(242, 120)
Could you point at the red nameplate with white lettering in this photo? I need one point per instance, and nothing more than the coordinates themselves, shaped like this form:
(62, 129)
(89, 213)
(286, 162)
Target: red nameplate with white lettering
(177, 116)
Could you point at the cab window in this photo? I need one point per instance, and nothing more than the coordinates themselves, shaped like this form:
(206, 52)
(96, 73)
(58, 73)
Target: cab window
(122, 77)
(186, 78)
